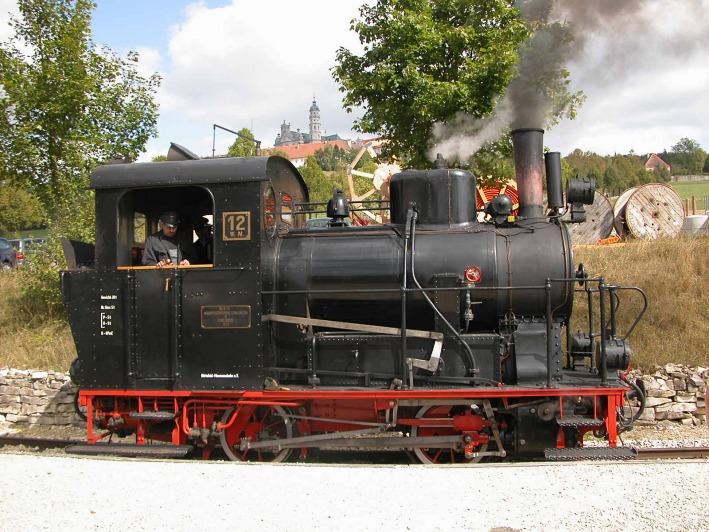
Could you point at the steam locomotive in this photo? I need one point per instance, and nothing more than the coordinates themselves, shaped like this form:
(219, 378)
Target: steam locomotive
(446, 332)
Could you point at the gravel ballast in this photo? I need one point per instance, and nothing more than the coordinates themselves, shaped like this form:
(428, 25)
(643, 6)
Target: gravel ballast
(54, 492)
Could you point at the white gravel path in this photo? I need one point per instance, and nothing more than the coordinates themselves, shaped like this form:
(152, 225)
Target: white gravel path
(68, 493)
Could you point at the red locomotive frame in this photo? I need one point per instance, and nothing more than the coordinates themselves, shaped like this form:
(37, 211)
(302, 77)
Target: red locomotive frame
(266, 425)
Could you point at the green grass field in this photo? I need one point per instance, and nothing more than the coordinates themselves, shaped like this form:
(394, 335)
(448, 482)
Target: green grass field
(698, 189)
(30, 233)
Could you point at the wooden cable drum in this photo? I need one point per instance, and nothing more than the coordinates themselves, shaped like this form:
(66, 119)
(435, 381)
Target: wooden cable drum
(650, 212)
(619, 212)
(598, 224)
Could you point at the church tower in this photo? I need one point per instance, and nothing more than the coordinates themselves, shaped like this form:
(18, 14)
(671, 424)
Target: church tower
(314, 122)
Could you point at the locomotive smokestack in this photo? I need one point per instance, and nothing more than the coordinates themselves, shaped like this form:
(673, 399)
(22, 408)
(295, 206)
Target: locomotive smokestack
(528, 145)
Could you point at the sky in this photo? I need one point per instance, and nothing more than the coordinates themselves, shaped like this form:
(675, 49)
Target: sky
(239, 63)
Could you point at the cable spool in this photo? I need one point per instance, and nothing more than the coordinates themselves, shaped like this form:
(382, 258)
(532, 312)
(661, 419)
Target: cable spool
(649, 212)
(598, 224)
(619, 212)
(484, 194)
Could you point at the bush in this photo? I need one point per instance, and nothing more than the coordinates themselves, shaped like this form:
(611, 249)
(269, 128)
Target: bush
(32, 334)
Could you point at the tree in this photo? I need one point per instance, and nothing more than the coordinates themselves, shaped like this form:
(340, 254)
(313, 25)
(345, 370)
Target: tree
(695, 161)
(66, 106)
(319, 185)
(19, 209)
(425, 61)
(587, 164)
(278, 152)
(159, 158)
(686, 157)
(661, 175)
(493, 163)
(611, 179)
(244, 145)
(685, 145)
(611, 172)
(366, 163)
(332, 157)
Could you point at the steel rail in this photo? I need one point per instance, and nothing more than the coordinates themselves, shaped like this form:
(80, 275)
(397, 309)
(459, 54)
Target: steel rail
(40, 443)
(654, 453)
(667, 453)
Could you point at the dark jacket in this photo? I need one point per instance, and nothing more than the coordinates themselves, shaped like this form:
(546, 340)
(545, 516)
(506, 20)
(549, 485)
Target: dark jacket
(159, 247)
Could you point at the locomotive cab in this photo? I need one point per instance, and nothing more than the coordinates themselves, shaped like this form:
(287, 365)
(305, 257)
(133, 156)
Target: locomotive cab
(179, 327)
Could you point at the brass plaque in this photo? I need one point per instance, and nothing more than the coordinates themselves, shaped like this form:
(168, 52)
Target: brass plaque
(237, 225)
(226, 317)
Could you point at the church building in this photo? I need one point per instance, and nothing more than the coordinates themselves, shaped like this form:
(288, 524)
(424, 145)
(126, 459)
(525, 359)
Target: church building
(289, 138)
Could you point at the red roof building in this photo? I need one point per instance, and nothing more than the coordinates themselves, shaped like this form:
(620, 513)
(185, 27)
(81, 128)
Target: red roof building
(654, 162)
(298, 153)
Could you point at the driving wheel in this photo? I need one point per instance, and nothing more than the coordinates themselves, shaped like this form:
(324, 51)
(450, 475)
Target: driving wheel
(441, 455)
(265, 423)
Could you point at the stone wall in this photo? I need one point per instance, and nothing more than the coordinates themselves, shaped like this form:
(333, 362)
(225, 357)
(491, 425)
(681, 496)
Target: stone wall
(36, 397)
(685, 178)
(674, 392)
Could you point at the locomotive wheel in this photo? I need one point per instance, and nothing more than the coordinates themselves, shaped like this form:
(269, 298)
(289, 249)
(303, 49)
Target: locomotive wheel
(266, 423)
(440, 455)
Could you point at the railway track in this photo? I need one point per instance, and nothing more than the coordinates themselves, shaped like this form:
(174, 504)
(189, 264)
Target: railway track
(656, 453)
(664, 453)
(35, 443)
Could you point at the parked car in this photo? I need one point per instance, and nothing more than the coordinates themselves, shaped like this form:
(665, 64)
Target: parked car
(20, 245)
(8, 255)
(25, 247)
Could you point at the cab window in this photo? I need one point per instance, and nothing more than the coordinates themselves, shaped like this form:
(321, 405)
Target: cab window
(139, 214)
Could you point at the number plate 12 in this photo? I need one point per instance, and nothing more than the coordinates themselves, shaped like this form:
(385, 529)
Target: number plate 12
(237, 225)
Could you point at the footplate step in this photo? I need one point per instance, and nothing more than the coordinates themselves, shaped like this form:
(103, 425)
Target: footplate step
(591, 453)
(580, 421)
(131, 449)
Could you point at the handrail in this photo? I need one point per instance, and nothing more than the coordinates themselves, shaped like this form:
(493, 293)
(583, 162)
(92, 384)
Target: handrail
(642, 312)
(167, 266)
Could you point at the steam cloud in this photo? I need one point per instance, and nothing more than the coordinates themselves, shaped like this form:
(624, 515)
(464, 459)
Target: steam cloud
(611, 39)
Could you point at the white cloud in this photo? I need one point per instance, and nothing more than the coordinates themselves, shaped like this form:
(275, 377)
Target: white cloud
(7, 7)
(256, 64)
(647, 112)
(150, 61)
(646, 88)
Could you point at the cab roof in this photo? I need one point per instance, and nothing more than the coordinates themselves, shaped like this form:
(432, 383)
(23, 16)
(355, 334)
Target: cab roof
(199, 172)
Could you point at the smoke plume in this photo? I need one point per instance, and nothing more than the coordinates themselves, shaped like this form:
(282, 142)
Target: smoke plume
(597, 41)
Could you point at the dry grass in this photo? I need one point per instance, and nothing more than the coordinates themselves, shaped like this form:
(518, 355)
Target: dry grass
(31, 338)
(674, 275)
